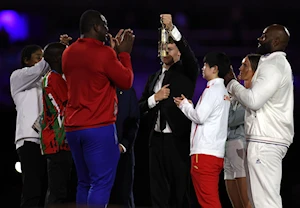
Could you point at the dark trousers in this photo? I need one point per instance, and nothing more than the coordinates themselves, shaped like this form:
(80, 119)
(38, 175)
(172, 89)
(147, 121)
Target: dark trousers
(33, 166)
(169, 173)
(122, 191)
(59, 167)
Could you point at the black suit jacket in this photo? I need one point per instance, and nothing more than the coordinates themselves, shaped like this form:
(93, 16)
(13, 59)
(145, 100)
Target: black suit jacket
(128, 116)
(182, 77)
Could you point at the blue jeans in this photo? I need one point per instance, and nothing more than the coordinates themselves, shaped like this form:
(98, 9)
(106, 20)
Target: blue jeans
(96, 154)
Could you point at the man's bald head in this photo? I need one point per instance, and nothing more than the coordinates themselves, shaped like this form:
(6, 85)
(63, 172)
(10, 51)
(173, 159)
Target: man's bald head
(280, 33)
(274, 38)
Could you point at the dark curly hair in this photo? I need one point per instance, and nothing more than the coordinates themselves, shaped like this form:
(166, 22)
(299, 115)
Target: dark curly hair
(27, 51)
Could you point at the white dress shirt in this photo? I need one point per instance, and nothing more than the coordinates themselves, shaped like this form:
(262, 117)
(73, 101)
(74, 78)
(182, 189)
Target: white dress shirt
(152, 103)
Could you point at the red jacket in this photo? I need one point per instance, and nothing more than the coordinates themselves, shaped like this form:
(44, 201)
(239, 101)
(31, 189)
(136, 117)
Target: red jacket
(54, 98)
(92, 72)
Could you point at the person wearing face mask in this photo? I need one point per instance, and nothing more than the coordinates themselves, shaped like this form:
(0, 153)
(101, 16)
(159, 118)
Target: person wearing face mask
(269, 121)
(234, 169)
(26, 92)
(93, 71)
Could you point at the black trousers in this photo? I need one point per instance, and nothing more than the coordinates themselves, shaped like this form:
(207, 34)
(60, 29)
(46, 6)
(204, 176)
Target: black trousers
(169, 173)
(59, 166)
(33, 166)
(122, 191)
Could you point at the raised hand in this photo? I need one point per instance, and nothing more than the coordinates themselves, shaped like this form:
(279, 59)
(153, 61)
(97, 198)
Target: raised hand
(126, 41)
(120, 36)
(65, 39)
(115, 41)
(166, 19)
(163, 93)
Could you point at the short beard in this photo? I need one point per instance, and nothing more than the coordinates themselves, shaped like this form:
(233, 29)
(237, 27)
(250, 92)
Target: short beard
(264, 48)
(171, 62)
(168, 63)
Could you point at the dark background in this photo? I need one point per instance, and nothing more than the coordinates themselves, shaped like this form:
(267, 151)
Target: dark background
(228, 26)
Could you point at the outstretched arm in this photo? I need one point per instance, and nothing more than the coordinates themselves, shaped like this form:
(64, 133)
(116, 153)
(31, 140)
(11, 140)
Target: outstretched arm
(188, 58)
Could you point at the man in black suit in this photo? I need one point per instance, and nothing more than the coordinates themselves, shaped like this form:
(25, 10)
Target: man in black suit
(169, 142)
(127, 125)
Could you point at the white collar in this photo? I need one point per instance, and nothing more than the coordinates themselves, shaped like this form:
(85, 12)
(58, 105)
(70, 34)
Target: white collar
(213, 81)
(270, 55)
(164, 70)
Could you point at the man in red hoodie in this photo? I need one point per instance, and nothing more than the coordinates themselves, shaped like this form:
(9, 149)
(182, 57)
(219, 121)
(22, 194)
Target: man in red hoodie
(93, 71)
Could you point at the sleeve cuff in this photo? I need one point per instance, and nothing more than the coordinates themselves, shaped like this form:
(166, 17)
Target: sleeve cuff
(124, 148)
(184, 102)
(124, 55)
(175, 34)
(230, 86)
(151, 102)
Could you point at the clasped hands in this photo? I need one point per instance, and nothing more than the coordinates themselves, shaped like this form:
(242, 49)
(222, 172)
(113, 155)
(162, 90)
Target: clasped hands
(123, 41)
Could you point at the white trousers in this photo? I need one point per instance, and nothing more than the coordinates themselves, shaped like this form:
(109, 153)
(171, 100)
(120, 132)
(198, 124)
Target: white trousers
(264, 172)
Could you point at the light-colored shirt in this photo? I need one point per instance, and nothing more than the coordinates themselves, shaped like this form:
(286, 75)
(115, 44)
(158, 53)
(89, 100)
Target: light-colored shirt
(152, 103)
(269, 101)
(26, 91)
(236, 121)
(209, 119)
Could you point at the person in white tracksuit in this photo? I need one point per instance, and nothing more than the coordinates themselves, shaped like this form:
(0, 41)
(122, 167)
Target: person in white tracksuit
(269, 121)
(209, 129)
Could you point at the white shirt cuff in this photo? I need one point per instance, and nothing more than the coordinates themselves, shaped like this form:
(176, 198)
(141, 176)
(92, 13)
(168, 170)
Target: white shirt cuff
(175, 34)
(183, 102)
(151, 101)
(124, 148)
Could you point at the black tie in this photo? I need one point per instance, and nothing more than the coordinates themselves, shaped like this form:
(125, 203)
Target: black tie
(163, 121)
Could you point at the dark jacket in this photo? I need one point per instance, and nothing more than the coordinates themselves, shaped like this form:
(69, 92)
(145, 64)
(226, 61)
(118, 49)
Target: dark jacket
(127, 122)
(182, 77)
